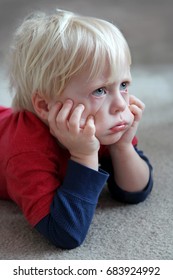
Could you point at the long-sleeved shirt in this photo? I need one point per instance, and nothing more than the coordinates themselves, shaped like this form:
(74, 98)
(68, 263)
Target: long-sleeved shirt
(57, 195)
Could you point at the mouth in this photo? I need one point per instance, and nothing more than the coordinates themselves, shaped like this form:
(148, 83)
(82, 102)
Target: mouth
(119, 127)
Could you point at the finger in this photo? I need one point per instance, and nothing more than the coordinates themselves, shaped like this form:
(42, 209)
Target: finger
(136, 111)
(136, 101)
(75, 118)
(89, 128)
(53, 111)
(64, 114)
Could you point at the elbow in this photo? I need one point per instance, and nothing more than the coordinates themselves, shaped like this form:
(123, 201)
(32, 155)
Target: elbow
(130, 197)
(60, 236)
(73, 244)
(68, 241)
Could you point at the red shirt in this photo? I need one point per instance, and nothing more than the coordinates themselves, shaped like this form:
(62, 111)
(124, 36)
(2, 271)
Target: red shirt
(32, 164)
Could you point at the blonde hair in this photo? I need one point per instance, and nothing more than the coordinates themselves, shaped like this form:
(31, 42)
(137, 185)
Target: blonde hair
(49, 50)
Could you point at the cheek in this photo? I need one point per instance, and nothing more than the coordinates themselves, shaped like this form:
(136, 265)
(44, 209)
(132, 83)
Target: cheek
(101, 121)
(91, 108)
(127, 98)
(128, 112)
(127, 115)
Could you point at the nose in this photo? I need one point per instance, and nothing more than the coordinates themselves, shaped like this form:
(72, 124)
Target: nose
(118, 103)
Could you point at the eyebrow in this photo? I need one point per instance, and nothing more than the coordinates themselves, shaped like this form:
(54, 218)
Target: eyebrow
(98, 84)
(102, 83)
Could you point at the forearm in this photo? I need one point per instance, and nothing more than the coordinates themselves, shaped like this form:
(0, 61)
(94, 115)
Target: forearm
(90, 161)
(73, 206)
(131, 172)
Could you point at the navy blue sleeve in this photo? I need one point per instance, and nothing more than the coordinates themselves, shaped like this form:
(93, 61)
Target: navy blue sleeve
(124, 196)
(73, 206)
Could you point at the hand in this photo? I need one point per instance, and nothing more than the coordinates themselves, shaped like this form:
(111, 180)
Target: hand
(64, 122)
(131, 172)
(136, 106)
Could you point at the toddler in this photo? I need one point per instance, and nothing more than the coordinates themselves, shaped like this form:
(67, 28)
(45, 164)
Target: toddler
(72, 124)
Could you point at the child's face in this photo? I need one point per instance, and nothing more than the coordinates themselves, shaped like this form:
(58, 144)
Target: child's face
(108, 103)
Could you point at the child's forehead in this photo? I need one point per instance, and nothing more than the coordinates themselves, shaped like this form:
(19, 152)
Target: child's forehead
(110, 74)
(105, 77)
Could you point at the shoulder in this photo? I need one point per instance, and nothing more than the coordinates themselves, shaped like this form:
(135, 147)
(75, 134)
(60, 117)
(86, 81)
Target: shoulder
(5, 112)
(23, 132)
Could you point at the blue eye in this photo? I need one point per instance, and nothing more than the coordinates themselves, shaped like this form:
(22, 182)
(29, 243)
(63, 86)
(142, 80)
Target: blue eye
(123, 86)
(99, 92)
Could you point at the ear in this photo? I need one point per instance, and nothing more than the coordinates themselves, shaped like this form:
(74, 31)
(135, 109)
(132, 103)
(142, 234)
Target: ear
(40, 105)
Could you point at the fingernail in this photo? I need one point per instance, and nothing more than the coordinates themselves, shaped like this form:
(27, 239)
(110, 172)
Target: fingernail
(69, 101)
(82, 106)
(92, 118)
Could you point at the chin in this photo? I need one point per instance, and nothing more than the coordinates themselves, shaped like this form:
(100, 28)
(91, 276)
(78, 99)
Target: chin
(110, 139)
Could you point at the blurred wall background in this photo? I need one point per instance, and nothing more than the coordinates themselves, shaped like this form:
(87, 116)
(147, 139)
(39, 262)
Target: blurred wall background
(147, 25)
